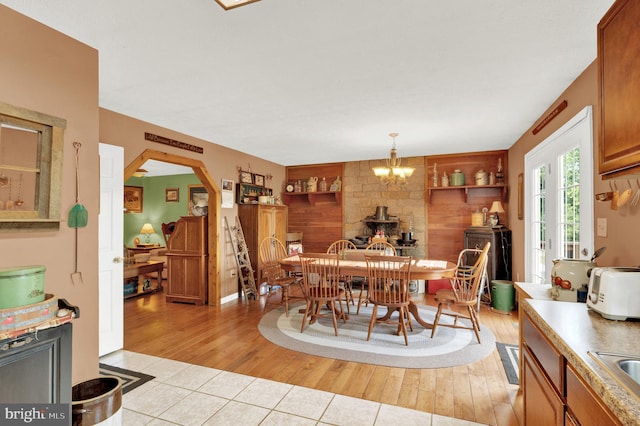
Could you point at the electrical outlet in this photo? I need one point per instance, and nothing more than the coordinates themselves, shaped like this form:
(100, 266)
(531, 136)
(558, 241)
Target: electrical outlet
(601, 228)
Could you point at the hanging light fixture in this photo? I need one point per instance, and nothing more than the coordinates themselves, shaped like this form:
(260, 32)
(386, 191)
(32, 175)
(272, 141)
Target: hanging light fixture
(231, 4)
(394, 172)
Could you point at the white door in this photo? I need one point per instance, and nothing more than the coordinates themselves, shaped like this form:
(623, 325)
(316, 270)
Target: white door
(559, 198)
(110, 240)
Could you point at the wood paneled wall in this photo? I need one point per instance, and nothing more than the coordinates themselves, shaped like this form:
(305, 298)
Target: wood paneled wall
(322, 223)
(448, 214)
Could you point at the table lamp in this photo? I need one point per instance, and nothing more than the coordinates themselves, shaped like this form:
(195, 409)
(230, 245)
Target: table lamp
(147, 229)
(496, 207)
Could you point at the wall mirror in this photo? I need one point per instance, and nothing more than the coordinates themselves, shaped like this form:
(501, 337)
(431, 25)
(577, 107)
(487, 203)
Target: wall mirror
(31, 145)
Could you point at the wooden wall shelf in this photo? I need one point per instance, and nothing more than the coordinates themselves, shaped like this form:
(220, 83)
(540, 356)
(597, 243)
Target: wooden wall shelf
(466, 188)
(312, 197)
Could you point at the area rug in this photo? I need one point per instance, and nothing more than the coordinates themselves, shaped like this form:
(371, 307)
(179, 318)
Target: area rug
(449, 347)
(130, 379)
(509, 354)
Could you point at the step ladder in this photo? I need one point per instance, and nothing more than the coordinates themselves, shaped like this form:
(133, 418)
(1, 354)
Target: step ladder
(243, 263)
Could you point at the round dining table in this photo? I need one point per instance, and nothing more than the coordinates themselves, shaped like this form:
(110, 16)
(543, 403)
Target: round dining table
(421, 269)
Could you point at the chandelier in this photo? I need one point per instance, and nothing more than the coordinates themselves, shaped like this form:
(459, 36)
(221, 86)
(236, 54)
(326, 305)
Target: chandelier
(393, 173)
(232, 4)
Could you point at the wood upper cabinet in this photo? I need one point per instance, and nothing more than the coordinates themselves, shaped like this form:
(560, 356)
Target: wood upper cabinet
(258, 222)
(187, 261)
(619, 88)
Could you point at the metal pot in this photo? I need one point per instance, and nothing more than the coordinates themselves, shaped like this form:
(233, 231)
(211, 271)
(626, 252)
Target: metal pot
(381, 213)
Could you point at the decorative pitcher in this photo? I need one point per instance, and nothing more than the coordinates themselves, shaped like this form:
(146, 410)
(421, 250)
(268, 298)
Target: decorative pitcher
(312, 184)
(571, 274)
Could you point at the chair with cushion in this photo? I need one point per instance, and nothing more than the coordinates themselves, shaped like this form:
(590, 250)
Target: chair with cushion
(321, 286)
(339, 247)
(464, 294)
(388, 279)
(271, 251)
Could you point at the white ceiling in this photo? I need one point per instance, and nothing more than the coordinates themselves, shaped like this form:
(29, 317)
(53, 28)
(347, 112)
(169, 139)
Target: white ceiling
(313, 81)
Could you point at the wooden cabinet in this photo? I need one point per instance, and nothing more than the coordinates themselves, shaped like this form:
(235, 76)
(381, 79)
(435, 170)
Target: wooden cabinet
(619, 88)
(187, 261)
(554, 393)
(260, 221)
(499, 263)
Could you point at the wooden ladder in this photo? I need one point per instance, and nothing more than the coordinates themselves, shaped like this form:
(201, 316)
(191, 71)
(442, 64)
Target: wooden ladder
(243, 263)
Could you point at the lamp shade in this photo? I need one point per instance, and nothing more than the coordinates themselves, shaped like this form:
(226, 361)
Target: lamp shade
(496, 207)
(147, 228)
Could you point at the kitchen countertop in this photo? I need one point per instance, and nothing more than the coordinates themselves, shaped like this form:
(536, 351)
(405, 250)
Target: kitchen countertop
(575, 330)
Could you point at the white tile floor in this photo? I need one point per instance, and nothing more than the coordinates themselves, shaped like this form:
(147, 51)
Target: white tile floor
(185, 394)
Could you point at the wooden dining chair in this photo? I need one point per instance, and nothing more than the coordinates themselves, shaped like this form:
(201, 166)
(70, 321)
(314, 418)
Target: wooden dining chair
(271, 251)
(389, 278)
(464, 294)
(321, 286)
(382, 248)
(340, 247)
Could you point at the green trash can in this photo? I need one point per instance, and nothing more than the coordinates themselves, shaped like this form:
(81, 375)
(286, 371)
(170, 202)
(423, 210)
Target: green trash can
(503, 295)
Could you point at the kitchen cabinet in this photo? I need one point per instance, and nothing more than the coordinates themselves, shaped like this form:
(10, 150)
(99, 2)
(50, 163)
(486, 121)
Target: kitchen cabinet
(553, 392)
(619, 88)
(258, 222)
(499, 262)
(187, 261)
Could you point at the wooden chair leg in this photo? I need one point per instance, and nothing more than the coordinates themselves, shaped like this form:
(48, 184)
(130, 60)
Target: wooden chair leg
(435, 321)
(372, 322)
(332, 304)
(306, 315)
(403, 325)
(474, 322)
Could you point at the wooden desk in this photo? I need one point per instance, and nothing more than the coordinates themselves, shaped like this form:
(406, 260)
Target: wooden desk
(134, 270)
(142, 249)
(421, 269)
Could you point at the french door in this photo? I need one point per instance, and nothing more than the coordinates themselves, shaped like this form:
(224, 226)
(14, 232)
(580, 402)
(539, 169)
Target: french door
(558, 177)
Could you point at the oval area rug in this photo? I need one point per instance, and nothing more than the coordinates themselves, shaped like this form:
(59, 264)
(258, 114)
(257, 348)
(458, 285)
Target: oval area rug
(449, 347)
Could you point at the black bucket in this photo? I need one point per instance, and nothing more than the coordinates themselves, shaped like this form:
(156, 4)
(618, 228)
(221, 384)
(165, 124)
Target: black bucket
(96, 400)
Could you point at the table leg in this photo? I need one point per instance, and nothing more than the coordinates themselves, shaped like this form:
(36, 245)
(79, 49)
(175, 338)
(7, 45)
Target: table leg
(413, 310)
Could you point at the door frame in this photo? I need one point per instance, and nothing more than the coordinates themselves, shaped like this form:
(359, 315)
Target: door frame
(200, 170)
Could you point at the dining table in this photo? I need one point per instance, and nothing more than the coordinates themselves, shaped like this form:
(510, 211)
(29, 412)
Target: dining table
(421, 269)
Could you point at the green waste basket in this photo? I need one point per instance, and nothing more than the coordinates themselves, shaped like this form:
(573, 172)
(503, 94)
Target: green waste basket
(503, 295)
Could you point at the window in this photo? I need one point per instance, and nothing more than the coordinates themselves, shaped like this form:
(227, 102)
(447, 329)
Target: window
(558, 198)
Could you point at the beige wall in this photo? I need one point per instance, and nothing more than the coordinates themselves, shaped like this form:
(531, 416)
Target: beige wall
(221, 163)
(45, 71)
(623, 231)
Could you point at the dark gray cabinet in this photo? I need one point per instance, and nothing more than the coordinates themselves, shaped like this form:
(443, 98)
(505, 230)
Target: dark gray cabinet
(499, 264)
(37, 369)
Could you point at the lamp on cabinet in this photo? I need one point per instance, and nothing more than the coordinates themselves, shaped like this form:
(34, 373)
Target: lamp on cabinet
(496, 207)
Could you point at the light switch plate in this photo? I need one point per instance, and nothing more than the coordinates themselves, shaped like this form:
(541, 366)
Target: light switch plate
(601, 228)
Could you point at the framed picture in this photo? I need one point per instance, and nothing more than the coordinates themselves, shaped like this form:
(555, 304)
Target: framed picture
(227, 185)
(198, 201)
(258, 180)
(133, 199)
(172, 195)
(246, 177)
(521, 196)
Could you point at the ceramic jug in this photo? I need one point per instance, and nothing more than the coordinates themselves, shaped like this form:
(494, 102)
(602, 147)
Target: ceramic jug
(571, 274)
(312, 184)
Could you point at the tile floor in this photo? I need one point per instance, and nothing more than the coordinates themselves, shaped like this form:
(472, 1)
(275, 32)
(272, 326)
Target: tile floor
(185, 394)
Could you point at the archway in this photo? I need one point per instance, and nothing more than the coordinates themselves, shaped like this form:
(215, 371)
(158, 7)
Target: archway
(199, 169)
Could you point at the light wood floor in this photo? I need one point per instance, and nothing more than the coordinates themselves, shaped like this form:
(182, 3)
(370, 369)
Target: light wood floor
(227, 338)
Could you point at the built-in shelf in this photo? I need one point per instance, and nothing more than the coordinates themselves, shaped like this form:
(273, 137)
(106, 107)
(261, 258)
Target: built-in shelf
(312, 197)
(466, 189)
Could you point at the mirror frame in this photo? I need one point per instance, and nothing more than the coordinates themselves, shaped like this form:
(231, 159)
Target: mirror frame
(49, 182)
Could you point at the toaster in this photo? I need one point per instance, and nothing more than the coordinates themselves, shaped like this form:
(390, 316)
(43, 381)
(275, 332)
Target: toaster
(615, 292)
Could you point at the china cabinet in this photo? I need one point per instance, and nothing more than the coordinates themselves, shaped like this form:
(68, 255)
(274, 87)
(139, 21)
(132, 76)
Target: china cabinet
(260, 221)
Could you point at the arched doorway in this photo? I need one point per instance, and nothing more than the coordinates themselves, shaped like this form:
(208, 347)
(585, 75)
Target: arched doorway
(201, 172)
